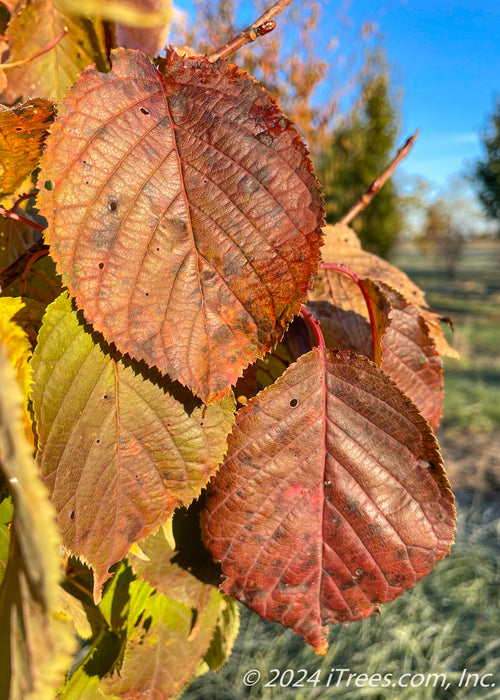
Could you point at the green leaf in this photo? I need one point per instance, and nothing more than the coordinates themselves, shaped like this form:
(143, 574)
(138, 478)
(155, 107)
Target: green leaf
(81, 687)
(6, 515)
(139, 441)
(226, 632)
(35, 644)
(164, 645)
(18, 348)
(73, 609)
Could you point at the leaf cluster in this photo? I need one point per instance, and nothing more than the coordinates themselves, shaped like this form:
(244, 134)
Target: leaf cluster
(197, 409)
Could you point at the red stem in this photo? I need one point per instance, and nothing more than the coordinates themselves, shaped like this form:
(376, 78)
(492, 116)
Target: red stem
(18, 217)
(344, 270)
(23, 198)
(309, 318)
(36, 256)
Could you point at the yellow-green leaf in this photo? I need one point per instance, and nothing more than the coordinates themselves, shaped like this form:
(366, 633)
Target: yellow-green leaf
(145, 14)
(119, 447)
(18, 347)
(36, 645)
(163, 647)
(36, 25)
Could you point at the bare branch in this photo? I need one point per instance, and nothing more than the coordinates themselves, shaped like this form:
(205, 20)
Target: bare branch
(45, 49)
(377, 184)
(263, 25)
(17, 269)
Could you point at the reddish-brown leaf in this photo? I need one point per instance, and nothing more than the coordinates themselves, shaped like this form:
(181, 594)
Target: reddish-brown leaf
(184, 216)
(410, 357)
(22, 132)
(405, 348)
(332, 498)
(343, 247)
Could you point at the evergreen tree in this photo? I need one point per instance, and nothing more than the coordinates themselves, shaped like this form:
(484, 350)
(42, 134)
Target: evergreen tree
(487, 172)
(359, 151)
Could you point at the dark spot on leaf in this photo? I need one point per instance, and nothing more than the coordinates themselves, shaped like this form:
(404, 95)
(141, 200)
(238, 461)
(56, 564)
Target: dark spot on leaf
(72, 515)
(208, 277)
(101, 266)
(176, 227)
(113, 206)
(19, 128)
(263, 175)
(103, 240)
(294, 402)
(346, 585)
(146, 294)
(245, 459)
(133, 527)
(265, 139)
(248, 185)
(352, 506)
(221, 334)
(145, 111)
(374, 529)
(49, 185)
(396, 580)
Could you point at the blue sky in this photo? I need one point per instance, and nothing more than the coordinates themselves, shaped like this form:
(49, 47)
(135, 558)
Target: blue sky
(449, 60)
(446, 56)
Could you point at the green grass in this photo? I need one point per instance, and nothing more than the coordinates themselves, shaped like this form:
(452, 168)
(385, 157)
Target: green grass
(472, 300)
(450, 621)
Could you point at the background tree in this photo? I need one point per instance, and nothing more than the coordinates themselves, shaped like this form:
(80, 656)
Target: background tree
(443, 236)
(359, 150)
(487, 171)
(309, 80)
